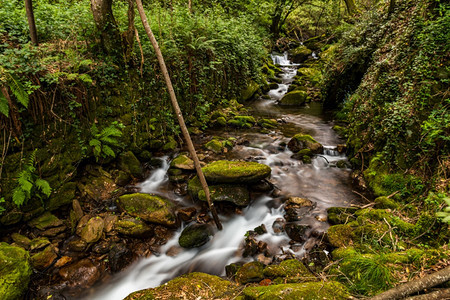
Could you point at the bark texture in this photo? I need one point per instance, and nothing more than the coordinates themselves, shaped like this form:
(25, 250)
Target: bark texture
(107, 26)
(31, 22)
(178, 113)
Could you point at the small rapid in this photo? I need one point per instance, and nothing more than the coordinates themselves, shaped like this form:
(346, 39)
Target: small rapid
(320, 181)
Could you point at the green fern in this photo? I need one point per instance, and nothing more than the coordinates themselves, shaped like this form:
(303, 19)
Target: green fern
(18, 90)
(102, 142)
(445, 214)
(2, 209)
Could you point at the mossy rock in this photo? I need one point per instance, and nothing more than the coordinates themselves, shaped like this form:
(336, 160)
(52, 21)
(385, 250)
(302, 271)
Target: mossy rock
(149, 208)
(170, 145)
(15, 271)
(295, 291)
(224, 171)
(385, 202)
(11, 217)
(238, 195)
(268, 123)
(182, 162)
(304, 141)
(195, 285)
(340, 235)
(38, 243)
(300, 54)
(21, 240)
(44, 259)
(294, 98)
(133, 228)
(217, 114)
(341, 215)
(44, 221)
(219, 122)
(288, 268)
(215, 146)
(312, 75)
(343, 252)
(130, 164)
(62, 196)
(248, 92)
(195, 236)
(93, 230)
(250, 272)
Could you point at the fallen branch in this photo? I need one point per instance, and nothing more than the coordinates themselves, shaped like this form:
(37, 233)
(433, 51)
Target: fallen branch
(415, 286)
(438, 294)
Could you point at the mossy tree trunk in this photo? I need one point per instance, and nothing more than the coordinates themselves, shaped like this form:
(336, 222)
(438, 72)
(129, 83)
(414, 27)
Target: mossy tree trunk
(351, 7)
(31, 22)
(177, 110)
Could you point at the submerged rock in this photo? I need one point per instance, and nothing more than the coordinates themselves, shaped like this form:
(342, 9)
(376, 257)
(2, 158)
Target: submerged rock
(195, 235)
(239, 172)
(149, 208)
(304, 141)
(15, 271)
(294, 98)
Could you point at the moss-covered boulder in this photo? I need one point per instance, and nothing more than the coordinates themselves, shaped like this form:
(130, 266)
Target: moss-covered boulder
(304, 141)
(195, 235)
(288, 268)
(314, 76)
(182, 162)
(149, 208)
(300, 54)
(294, 291)
(294, 98)
(340, 235)
(190, 286)
(236, 194)
(132, 227)
(240, 172)
(45, 221)
(130, 164)
(21, 240)
(242, 122)
(268, 123)
(250, 272)
(215, 146)
(248, 92)
(62, 196)
(15, 271)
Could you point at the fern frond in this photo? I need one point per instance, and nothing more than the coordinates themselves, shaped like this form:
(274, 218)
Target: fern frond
(4, 106)
(108, 151)
(109, 140)
(111, 131)
(43, 186)
(18, 90)
(18, 197)
(94, 143)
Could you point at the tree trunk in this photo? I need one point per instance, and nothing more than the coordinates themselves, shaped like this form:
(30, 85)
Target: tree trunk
(401, 291)
(107, 26)
(391, 6)
(351, 7)
(31, 23)
(178, 113)
(129, 35)
(190, 6)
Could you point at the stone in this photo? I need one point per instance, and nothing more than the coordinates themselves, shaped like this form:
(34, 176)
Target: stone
(294, 98)
(240, 172)
(110, 221)
(21, 240)
(122, 178)
(77, 245)
(186, 214)
(150, 208)
(44, 259)
(300, 54)
(182, 162)
(296, 208)
(11, 218)
(248, 92)
(119, 257)
(288, 268)
(130, 164)
(80, 274)
(62, 196)
(262, 186)
(278, 226)
(52, 232)
(15, 271)
(134, 228)
(304, 141)
(232, 269)
(39, 243)
(98, 188)
(44, 221)
(195, 236)
(297, 232)
(93, 230)
(250, 272)
(268, 123)
(238, 195)
(215, 146)
(77, 210)
(63, 261)
(340, 236)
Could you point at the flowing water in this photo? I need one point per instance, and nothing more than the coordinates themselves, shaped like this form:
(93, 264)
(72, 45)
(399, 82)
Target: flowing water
(319, 181)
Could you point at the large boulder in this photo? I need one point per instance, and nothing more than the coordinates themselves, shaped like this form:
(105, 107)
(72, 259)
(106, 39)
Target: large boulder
(250, 272)
(294, 98)
(248, 92)
(304, 141)
(195, 236)
(149, 208)
(235, 172)
(300, 54)
(15, 271)
(237, 194)
(130, 164)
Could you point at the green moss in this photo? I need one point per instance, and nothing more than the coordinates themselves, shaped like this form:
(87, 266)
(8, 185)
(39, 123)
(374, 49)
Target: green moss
(44, 221)
(295, 291)
(268, 123)
(215, 146)
(250, 272)
(62, 196)
(195, 236)
(182, 162)
(44, 259)
(149, 208)
(300, 54)
(15, 271)
(130, 164)
(288, 268)
(312, 75)
(170, 145)
(239, 195)
(224, 171)
(294, 98)
(340, 235)
(249, 91)
(385, 202)
(304, 141)
(133, 227)
(343, 252)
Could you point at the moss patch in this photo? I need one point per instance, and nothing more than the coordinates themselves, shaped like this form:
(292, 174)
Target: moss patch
(294, 98)
(15, 271)
(224, 171)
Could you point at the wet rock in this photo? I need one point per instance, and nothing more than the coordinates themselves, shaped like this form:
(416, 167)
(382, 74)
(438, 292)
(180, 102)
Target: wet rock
(15, 271)
(288, 268)
(302, 141)
(303, 155)
(260, 230)
(182, 162)
(102, 247)
(63, 261)
(300, 54)
(296, 208)
(239, 172)
(250, 272)
(297, 232)
(53, 232)
(82, 223)
(44, 259)
(39, 243)
(238, 195)
(253, 246)
(110, 221)
(187, 214)
(133, 227)
(77, 245)
(21, 240)
(278, 226)
(195, 235)
(77, 210)
(130, 164)
(181, 189)
(119, 257)
(44, 221)
(263, 186)
(149, 208)
(80, 274)
(93, 230)
(341, 148)
(294, 98)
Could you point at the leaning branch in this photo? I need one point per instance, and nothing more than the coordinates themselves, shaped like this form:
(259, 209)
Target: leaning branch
(178, 113)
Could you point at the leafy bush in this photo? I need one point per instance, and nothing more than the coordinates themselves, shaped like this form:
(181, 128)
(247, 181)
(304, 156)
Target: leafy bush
(102, 141)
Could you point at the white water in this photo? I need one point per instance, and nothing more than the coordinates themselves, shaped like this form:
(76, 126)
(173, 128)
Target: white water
(317, 181)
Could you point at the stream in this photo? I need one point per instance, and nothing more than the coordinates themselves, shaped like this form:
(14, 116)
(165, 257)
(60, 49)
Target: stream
(320, 181)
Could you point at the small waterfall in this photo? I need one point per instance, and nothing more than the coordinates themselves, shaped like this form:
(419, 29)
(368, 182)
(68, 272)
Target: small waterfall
(158, 178)
(282, 60)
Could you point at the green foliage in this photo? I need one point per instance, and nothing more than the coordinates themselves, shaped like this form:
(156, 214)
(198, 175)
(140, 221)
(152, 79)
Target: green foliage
(29, 184)
(445, 214)
(2, 209)
(103, 142)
